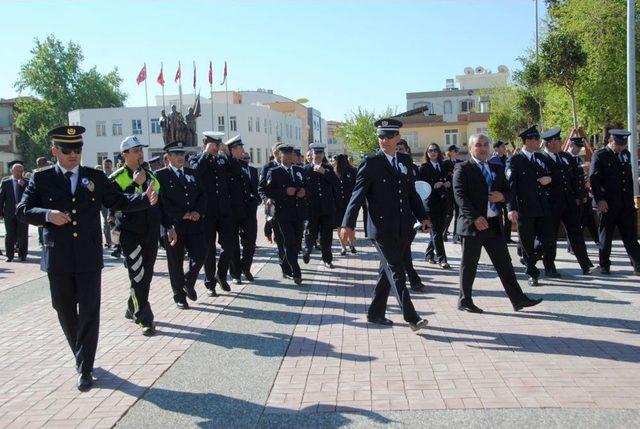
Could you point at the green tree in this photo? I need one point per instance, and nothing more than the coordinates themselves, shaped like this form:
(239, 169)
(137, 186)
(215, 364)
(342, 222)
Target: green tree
(358, 131)
(56, 84)
(532, 95)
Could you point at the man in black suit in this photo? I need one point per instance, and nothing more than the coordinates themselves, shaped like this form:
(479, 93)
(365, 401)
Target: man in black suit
(11, 190)
(321, 199)
(529, 204)
(612, 185)
(66, 199)
(585, 207)
(564, 194)
(499, 158)
(249, 236)
(478, 188)
(385, 182)
(183, 202)
(285, 186)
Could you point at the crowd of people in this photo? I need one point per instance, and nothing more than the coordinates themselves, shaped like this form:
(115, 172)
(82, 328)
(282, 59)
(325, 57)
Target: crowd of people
(202, 207)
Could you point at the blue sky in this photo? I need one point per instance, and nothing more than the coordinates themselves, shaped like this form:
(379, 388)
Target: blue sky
(338, 54)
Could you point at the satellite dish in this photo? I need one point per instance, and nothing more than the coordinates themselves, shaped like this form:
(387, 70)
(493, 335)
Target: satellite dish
(503, 69)
(480, 70)
(302, 100)
(468, 70)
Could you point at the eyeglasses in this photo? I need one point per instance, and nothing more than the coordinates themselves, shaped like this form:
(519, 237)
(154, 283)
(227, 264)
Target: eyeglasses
(387, 136)
(66, 151)
(432, 150)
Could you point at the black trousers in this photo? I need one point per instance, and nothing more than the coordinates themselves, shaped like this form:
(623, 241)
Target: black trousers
(194, 244)
(76, 299)
(392, 257)
(505, 221)
(625, 220)
(588, 219)
(492, 239)
(17, 234)
(246, 230)
(217, 229)
(291, 239)
(282, 257)
(140, 253)
(320, 225)
(437, 215)
(530, 229)
(453, 211)
(571, 222)
(412, 274)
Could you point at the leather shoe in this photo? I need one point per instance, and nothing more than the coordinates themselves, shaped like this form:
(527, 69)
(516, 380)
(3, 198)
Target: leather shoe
(329, 265)
(85, 382)
(553, 274)
(445, 265)
(430, 259)
(149, 330)
(605, 270)
(128, 315)
(223, 283)
(236, 280)
(306, 256)
(343, 252)
(353, 250)
(9, 259)
(182, 305)
(287, 276)
(420, 324)
(533, 281)
(212, 292)
(418, 287)
(380, 321)
(526, 302)
(470, 307)
(247, 275)
(297, 280)
(587, 271)
(191, 293)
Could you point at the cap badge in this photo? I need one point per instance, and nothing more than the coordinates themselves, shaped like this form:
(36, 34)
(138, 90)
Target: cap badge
(385, 123)
(71, 131)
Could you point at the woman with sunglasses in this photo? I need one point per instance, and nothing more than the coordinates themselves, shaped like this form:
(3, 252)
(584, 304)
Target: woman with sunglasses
(346, 181)
(436, 172)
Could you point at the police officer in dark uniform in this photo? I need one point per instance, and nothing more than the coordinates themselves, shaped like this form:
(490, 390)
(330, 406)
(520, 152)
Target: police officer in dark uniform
(385, 182)
(139, 232)
(585, 207)
(529, 204)
(212, 170)
(499, 158)
(183, 202)
(321, 199)
(285, 185)
(612, 185)
(66, 200)
(564, 192)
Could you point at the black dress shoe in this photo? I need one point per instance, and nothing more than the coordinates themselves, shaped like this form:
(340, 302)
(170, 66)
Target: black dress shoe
(343, 252)
(553, 275)
(223, 283)
(149, 330)
(445, 265)
(533, 281)
(297, 280)
(191, 293)
(429, 259)
(329, 265)
(526, 302)
(306, 257)
(420, 324)
(353, 250)
(128, 314)
(605, 270)
(247, 275)
(85, 381)
(418, 287)
(380, 321)
(9, 259)
(22, 258)
(587, 271)
(287, 276)
(211, 292)
(236, 280)
(182, 305)
(470, 307)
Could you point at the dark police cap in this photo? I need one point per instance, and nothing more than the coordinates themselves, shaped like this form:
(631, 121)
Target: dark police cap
(498, 144)
(154, 160)
(298, 152)
(530, 133)
(552, 134)
(620, 136)
(68, 136)
(388, 126)
(452, 148)
(177, 146)
(14, 162)
(578, 141)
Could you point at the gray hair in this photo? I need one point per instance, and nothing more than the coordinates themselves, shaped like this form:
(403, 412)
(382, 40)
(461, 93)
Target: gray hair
(473, 139)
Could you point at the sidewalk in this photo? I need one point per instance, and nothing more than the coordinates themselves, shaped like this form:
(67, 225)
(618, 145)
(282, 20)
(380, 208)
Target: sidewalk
(270, 354)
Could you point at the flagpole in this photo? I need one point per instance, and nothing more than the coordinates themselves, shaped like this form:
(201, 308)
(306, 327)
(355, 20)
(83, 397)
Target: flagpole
(226, 90)
(164, 107)
(211, 90)
(146, 97)
(180, 85)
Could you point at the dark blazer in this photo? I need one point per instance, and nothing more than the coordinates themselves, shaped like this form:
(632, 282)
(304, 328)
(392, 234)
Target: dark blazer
(563, 190)
(177, 199)
(212, 172)
(611, 179)
(344, 189)
(472, 194)
(77, 245)
(429, 174)
(242, 198)
(528, 197)
(288, 208)
(499, 160)
(262, 183)
(321, 190)
(253, 181)
(8, 201)
(390, 195)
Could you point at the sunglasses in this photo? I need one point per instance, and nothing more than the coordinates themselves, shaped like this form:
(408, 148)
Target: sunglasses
(66, 151)
(432, 150)
(387, 136)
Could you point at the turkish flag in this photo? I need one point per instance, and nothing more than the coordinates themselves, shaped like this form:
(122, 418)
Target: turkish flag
(210, 73)
(142, 76)
(224, 74)
(178, 74)
(160, 78)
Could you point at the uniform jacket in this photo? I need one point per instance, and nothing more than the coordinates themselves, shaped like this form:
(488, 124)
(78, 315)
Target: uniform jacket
(611, 179)
(563, 189)
(528, 197)
(177, 199)
(212, 172)
(253, 181)
(262, 183)
(321, 190)
(242, 198)
(139, 222)
(77, 245)
(390, 196)
(344, 189)
(288, 208)
(428, 173)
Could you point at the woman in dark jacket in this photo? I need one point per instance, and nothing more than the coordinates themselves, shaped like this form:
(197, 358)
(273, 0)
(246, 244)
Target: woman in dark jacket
(438, 174)
(347, 179)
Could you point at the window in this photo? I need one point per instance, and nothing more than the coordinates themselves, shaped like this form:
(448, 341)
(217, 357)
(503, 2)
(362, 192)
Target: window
(265, 125)
(448, 107)
(482, 131)
(466, 106)
(251, 154)
(136, 126)
(259, 156)
(257, 125)
(450, 137)
(116, 128)
(250, 123)
(484, 105)
(101, 128)
(270, 129)
(233, 123)
(101, 156)
(221, 123)
(155, 126)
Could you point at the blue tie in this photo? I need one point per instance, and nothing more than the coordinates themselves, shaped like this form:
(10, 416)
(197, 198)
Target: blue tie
(393, 162)
(489, 180)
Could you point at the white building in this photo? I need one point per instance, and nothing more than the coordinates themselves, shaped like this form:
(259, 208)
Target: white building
(471, 96)
(335, 144)
(8, 135)
(260, 126)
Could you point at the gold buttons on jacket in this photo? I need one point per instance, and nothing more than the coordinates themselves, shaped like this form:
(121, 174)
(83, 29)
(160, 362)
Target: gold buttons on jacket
(75, 234)
(74, 222)
(73, 211)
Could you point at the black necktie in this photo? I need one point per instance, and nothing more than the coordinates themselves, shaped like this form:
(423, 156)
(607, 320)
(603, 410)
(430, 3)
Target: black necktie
(181, 177)
(393, 163)
(557, 158)
(68, 175)
(16, 190)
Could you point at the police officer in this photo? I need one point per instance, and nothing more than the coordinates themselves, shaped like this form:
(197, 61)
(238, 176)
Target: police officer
(385, 182)
(183, 202)
(212, 171)
(249, 235)
(285, 186)
(529, 205)
(66, 200)
(139, 232)
(564, 192)
(243, 202)
(499, 158)
(585, 208)
(321, 199)
(612, 186)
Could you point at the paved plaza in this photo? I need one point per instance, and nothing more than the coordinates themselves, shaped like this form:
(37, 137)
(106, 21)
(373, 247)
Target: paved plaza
(271, 354)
